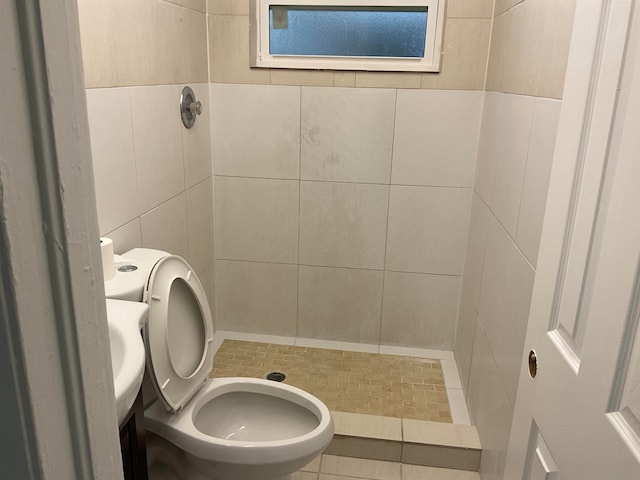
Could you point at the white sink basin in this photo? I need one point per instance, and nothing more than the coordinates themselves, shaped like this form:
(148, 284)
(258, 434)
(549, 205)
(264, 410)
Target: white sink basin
(125, 320)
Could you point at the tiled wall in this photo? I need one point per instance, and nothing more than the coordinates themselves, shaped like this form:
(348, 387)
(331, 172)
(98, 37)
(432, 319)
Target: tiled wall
(464, 61)
(342, 213)
(527, 62)
(153, 177)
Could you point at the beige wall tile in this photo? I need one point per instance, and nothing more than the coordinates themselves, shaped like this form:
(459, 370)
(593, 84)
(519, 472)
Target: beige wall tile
(436, 137)
(98, 20)
(344, 79)
(228, 7)
(388, 79)
(200, 224)
(256, 131)
(256, 219)
(469, 8)
(194, 57)
(229, 51)
(312, 78)
(343, 224)
(165, 227)
(347, 134)
(419, 310)
(464, 60)
(504, 5)
(257, 297)
(427, 229)
(199, 5)
(529, 48)
(339, 304)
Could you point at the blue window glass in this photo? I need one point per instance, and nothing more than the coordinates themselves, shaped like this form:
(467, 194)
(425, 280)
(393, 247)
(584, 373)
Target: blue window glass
(347, 31)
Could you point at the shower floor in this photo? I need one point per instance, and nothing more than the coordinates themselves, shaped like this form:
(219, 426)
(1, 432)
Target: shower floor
(346, 381)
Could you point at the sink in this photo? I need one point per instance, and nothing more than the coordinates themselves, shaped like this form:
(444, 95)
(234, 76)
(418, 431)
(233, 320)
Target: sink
(125, 320)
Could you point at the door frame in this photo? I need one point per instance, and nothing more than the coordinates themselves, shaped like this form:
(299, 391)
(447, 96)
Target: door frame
(58, 416)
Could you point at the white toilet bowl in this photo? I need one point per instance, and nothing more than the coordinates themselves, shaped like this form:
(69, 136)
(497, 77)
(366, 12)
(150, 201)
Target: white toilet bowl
(226, 428)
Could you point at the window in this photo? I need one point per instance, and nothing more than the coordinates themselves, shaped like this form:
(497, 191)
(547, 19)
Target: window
(385, 35)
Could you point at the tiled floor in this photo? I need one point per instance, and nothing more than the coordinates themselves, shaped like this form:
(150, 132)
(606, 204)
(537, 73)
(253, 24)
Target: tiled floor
(329, 467)
(356, 382)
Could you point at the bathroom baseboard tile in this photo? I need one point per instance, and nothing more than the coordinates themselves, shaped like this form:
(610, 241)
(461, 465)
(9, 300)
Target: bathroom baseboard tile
(367, 448)
(450, 373)
(441, 456)
(458, 407)
(440, 445)
(253, 337)
(336, 345)
(416, 352)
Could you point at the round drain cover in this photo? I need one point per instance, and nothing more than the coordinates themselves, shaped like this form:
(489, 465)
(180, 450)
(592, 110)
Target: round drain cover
(276, 376)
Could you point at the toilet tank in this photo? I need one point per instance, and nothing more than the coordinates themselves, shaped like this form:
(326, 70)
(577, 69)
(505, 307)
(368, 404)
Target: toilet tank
(132, 272)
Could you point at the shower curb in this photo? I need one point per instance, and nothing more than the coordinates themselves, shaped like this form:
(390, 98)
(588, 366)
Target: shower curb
(415, 442)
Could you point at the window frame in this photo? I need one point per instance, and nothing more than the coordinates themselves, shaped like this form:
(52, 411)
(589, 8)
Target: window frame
(261, 58)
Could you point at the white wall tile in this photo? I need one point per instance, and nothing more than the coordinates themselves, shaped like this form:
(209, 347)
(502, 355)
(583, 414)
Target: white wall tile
(515, 119)
(419, 310)
(114, 168)
(165, 227)
(158, 144)
(196, 143)
(339, 304)
(536, 178)
(436, 137)
(489, 407)
(347, 134)
(466, 328)
(343, 224)
(488, 145)
(256, 130)
(507, 283)
(476, 243)
(200, 224)
(427, 229)
(256, 219)
(257, 297)
(126, 237)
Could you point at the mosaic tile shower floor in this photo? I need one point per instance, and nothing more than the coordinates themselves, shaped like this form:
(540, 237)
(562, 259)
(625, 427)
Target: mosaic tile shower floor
(354, 382)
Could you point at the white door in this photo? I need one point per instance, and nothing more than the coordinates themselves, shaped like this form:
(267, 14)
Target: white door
(579, 418)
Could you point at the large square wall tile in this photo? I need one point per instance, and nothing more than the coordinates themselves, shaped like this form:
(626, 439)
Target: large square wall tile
(200, 224)
(427, 229)
(436, 137)
(339, 304)
(158, 144)
(196, 141)
(257, 297)
(114, 167)
(165, 227)
(476, 244)
(536, 178)
(343, 224)
(419, 310)
(507, 283)
(347, 134)
(256, 131)
(256, 219)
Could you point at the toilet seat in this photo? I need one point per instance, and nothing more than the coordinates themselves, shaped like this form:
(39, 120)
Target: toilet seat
(179, 353)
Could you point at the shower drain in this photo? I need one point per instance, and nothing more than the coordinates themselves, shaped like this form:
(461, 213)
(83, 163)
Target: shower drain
(276, 376)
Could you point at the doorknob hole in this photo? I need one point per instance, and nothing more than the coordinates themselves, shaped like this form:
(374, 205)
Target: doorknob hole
(533, 364)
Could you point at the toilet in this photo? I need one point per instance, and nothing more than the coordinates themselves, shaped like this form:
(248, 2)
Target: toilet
(203, 428)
